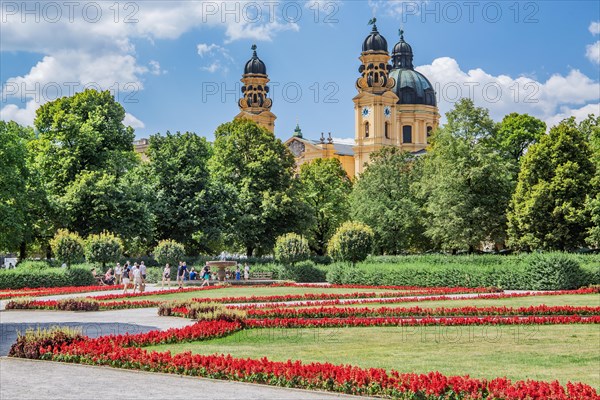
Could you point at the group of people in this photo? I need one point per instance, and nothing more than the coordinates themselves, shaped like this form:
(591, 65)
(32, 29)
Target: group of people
(134, 276)
(206, 274)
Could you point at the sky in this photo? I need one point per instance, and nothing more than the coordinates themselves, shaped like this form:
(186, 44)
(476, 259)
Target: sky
(177, 65)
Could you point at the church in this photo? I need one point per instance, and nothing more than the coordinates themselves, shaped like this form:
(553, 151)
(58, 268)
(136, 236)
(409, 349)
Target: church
(395, 106)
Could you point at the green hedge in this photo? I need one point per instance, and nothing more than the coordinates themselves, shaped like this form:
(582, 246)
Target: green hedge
(524, 272)
(18, 278)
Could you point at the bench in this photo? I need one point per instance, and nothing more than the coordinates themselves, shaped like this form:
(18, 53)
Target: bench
(261, 275)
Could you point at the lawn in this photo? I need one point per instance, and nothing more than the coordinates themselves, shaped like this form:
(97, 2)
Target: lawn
(562, 300)
(540, 352)
(254, 291)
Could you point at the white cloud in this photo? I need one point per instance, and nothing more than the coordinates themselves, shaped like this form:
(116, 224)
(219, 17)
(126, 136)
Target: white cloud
(132, 121)
(578, 113)
(396, 8)
(594, 28)
(592, 52)
(214, 67)
(80, 50)
(348, 141)
(205, 49)
(503, 94)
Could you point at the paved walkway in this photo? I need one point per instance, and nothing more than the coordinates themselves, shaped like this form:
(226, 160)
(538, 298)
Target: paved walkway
(30, 379)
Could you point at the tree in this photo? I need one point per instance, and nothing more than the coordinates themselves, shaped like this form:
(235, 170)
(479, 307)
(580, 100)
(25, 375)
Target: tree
(517, 132)
(547, 209)
(394, 214)
(466, 184)
(67, 247)
(291, 248)
(352, 242)
(185, 207)
(169, 251)
(325, 187)
(84, 132)
(13, 186)
(253, 172)
(98, 201)
(103, 248)
(590, 127)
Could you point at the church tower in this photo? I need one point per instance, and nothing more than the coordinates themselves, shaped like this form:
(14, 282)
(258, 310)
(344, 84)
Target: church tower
(255, 104)
(417, 112)
(375, 104)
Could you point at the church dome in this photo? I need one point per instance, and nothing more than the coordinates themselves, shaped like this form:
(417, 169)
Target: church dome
(375, 42)
(412, 87)
(255, 64)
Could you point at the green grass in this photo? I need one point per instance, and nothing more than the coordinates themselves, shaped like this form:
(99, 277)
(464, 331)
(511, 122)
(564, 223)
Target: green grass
(251, 291)
(540, 352)
(562, 300)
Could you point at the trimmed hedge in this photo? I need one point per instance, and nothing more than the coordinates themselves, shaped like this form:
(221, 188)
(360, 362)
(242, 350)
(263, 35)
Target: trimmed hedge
(19, 278)
(525, 272)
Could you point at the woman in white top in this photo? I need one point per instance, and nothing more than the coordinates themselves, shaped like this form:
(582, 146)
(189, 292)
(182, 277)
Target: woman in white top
(166, 276)
(246, 271)
(118, 273)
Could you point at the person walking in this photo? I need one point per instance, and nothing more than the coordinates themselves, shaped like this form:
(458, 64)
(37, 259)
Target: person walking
(246, 271)
(166, 276)
(206, 275)
(143, 270)
(126, 277)
(181, 270)
(138, 280)
(118, 274)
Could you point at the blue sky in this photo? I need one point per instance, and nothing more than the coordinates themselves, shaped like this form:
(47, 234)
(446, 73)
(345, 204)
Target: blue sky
(176, 65)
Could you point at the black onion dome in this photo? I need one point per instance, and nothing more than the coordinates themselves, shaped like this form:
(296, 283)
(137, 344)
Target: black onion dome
(412, 87)
(402, 56)
(255, 64)
(375, 42)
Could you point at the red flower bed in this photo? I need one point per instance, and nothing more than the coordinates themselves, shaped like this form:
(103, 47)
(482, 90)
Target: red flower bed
(54, 305)
(156, 293)
(424, 321)
(338, 312)
(37, 292)
(115, 351)
(375, 300)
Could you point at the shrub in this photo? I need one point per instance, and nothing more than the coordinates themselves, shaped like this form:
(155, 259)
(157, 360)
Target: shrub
(291, 248)
(67, 247)
(103, 248)
(33, 265)
(169, 251)
(29, 344)
(352, 242)
(78, 304)
(304, 272)
(49, 277)
(554, 271)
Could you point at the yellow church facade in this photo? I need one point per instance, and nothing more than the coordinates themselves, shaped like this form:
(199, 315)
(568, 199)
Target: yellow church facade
(395, 106)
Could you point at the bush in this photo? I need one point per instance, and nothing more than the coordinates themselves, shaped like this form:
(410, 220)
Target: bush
(67, 247)
(29, 344)
(291, 248)
(78, 304)
(169, 251)
(505, 272)
(78, 275)
(352, 242)
(553, 271)
(304, 272)
(33, 265)
(103, 248)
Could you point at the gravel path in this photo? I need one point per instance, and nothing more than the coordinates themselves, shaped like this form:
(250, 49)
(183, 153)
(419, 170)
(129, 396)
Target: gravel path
(30, 379)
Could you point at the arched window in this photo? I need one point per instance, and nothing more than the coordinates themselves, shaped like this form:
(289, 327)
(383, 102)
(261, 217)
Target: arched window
(386, 130)
(407, 134)
(367, 129)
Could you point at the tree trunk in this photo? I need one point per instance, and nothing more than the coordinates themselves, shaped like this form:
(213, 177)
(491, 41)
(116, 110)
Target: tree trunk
(22, 250)
(48, 252)
(249, 251)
